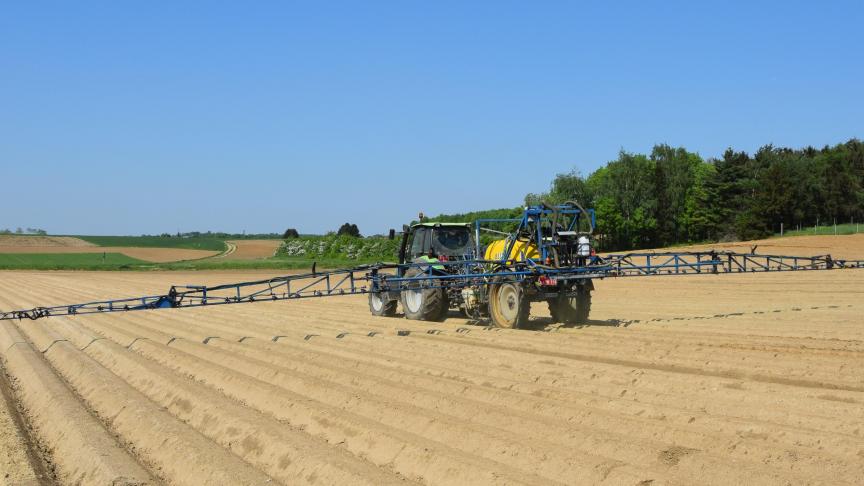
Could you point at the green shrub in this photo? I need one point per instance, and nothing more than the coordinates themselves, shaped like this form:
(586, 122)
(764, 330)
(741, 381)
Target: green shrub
(340, 247)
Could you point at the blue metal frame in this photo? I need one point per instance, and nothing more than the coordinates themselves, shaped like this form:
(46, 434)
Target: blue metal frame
(459, 274)
(534, 215)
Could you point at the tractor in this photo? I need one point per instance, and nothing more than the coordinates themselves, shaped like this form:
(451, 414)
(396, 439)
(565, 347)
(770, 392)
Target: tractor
(547, 257)
(436, 260)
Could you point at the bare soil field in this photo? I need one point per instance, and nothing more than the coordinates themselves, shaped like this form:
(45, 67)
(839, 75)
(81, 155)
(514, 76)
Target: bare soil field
(68, 244)
(839, 247)
(250, 249)
(54, 242)
(709, 379)
(16, 466)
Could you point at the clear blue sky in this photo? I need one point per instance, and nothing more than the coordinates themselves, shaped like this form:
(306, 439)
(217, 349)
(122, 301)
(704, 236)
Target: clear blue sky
(143, 117)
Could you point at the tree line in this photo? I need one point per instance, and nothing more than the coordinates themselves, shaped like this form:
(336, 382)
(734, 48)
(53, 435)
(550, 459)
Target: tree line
(347, 229)
(673, 196)
(218, 235)
(27, 231)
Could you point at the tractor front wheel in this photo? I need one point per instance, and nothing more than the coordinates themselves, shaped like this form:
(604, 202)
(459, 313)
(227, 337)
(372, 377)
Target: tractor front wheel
(508, 306)
(380, 306)
(422, 303)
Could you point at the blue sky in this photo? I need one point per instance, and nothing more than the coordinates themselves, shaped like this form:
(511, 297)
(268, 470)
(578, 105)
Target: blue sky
(144, 117)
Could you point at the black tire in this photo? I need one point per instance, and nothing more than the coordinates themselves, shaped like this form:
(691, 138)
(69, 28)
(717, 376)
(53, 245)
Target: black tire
(423, 304)
(378, 306)
(554, 310)
(571, 310)
(508, 306)
(583, 306)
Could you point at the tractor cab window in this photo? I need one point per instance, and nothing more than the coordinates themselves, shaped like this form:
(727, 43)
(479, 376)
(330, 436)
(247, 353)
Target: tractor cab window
(452, 241)
(419, 242)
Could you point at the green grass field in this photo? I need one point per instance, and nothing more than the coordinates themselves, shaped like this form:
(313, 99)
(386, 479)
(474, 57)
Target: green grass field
(842, 229)
(118, 261)
(67, 261)
(334, 252)
(286, 263)
(200, 243)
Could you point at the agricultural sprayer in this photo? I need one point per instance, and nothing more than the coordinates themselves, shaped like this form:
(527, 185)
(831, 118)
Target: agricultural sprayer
(549, 257)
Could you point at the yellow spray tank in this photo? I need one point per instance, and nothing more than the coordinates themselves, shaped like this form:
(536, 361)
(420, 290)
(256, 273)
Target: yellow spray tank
(521, 251)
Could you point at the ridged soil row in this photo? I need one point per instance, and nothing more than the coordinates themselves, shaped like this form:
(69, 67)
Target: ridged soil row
(590, 430)
(699, 337)
(532, 415)
(683, 361)
(532, 452)
(403, 451)
(626, 384)
(639, 389)
(20, 462)
(785, 323)
(820, 366)
(286, 454)
(81, 450)
(649, 336)
(822, 370)
(838, 410)
(563, 369)
(556, 385)
(172, 449)
(650, 420)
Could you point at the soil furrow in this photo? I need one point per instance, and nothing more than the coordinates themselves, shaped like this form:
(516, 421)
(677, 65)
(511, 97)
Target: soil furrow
(81, 450)
(171, 448)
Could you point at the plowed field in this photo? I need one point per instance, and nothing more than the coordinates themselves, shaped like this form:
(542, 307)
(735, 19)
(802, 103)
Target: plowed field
(19, 241)
(68, 244)
(250, 249)
(842, 246)
(736, 379)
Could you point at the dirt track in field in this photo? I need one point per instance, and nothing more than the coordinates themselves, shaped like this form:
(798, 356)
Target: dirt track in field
(250, 249)
(730, 379)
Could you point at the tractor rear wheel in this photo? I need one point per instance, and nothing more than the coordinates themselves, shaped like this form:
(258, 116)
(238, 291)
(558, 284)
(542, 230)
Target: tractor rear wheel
(380, 306)
(571, 310)
(508, 306)
(423, 304)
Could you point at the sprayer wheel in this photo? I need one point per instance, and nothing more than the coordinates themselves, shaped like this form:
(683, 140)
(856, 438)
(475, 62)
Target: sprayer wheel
(508, 306)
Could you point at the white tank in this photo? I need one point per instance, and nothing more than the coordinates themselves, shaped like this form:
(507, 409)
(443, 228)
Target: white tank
(583, 248)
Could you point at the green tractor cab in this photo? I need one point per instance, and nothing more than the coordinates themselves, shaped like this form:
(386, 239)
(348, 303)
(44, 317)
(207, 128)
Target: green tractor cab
(437, 241)
(430, 243)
